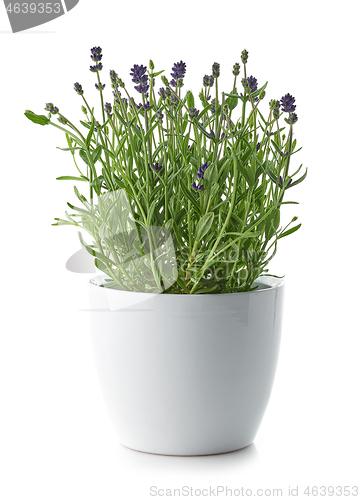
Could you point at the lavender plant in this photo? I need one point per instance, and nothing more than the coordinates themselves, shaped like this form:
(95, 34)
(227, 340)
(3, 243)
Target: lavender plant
(183, 196)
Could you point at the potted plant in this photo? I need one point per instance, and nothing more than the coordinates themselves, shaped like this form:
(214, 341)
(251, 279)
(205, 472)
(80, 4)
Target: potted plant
(183, 212)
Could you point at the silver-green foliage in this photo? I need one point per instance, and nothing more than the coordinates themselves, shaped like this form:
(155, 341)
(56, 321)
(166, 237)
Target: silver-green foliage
(150, 229)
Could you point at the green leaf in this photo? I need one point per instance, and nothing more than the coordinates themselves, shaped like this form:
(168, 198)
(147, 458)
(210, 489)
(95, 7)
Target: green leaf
(247, 172)
(158, 73)
(272, 223)
(211, 174)
(109, 152)
(71, 178)
(69, 149)
(202, 130)
(204, 226)
(232, 102)
(276, 147)
(149, 132)
(97, 183)
(62, 222)
(289, 231)
(258, 92)
(189, 195)
(297, 181)
(95, 155)
(86, 125)
(190, 99)
(84, 156)
(101, 266)
(89, 136)
(39, 119)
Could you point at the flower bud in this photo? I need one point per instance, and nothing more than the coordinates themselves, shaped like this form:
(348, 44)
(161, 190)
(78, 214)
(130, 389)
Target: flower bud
(236, 69)
(62, 119)
(244, 56)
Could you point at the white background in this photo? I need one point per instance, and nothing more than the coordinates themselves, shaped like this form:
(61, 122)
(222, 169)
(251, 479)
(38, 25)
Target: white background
(56, 440)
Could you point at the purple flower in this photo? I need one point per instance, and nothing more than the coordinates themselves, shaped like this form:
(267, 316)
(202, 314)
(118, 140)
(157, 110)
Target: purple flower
(174, 99)
(164, 93)
(291, 119)
(51, 108)
(202, 169)
(178, 73)
(216, 70)
(78, 88)
(147, 106)
(213, 106)
(100, 86)
(108, 109)
(281, 182)
(139, 75)
(96, 68)
(196, 187)
(208, 81)
(142, 88)
(96, 53)
(159, 116)
(250, 85)
(253, 84)
(156, 167)
(193, 112)
(258, 146)
(287, 103)
(212, 133)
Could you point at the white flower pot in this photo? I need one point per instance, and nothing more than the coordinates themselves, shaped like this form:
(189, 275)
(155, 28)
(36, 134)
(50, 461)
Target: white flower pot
(187, 374)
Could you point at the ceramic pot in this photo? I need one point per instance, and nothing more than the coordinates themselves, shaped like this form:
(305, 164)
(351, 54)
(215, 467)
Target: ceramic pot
(186, 374)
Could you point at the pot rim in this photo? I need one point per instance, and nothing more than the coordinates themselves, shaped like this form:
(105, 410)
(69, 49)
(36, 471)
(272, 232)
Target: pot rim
(270, 282)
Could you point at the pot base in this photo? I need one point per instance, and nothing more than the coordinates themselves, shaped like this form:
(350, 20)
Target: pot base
(206, 455)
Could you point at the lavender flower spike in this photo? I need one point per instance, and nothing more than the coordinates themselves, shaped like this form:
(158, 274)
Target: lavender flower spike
(236, 69)
(100, 86)
(244, 56)
(51, 108)
(178, 73)
(78, 88)
(288, 103)
(216, 70)
(140, 76)
(96, 68)
(208, 81)
(108, 109)
(156, 167)
(291, 119)
(202, 169)
(196, 187)
(193, 112)
(96, 53)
